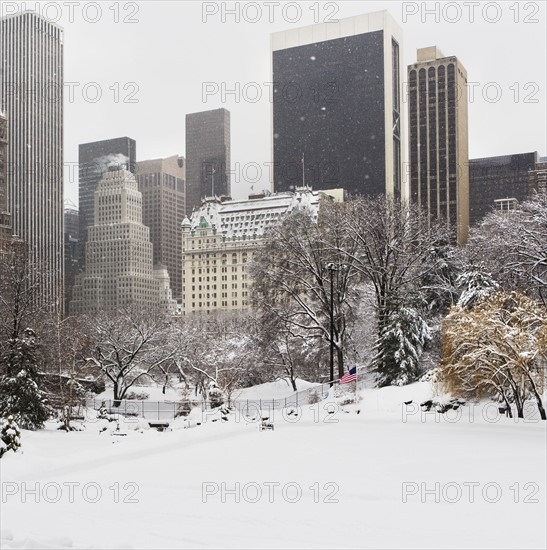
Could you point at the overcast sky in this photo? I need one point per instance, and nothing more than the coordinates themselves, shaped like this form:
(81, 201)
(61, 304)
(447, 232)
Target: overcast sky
(151, 59)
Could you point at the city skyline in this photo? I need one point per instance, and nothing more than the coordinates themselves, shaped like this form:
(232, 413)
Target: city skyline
(484, 52)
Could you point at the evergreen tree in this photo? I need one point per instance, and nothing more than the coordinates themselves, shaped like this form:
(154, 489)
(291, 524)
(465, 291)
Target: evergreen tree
(10, 436)
(20, 395)
(477, 284)
(398, 349)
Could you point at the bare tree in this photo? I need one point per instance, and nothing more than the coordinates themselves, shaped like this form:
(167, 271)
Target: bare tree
(19, 298)
(395, 247)
(304, 270)
(285, 352)
(130, 345)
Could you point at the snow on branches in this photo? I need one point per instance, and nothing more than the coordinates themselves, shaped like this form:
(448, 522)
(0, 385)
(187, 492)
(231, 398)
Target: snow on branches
(496, 349)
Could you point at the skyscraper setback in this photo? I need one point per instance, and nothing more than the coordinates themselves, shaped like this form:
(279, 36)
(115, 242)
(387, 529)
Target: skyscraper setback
(119, 269)
(94, 160)
(439, 158)
(31, 96)
(207, 156)
(336, 106)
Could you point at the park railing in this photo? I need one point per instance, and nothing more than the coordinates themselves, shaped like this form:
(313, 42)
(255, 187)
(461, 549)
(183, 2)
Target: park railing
(168, 410)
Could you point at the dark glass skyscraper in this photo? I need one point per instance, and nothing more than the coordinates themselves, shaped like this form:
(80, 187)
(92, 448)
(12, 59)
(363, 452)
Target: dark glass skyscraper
(31, 95)
(336, 106)
(207, 156)
(95, 159)
(495, 178)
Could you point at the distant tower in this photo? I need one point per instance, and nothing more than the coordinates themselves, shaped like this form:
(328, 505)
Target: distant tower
(72, 251)
(31, 95)
(94, 160)
(5, 218)
(336, 108)
(207, 156)
(438, 140)
(161, 183)
(119, 269)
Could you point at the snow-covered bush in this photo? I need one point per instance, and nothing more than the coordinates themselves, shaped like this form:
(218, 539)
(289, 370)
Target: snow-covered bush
(216, 399)
(141, 396)
(10, 436)
(313, 397)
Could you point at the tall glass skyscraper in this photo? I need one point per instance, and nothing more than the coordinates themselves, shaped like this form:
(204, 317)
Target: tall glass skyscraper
(207, 156)
(31, 95)
(336, 106)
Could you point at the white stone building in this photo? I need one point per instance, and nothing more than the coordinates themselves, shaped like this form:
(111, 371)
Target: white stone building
(221, 238)
(119, 267)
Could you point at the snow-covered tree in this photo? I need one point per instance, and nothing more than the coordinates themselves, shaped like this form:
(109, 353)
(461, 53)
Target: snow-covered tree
(10, 435)
(398, 250)
(214, 351)
(292, 276)
(476, 284)
(513, 247)
(496, 349)
(285, 352)
(20, 395)
(130, 345)
(399, 347)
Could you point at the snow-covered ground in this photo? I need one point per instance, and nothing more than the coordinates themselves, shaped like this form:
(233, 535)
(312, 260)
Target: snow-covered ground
(329, 477)
(273, 390)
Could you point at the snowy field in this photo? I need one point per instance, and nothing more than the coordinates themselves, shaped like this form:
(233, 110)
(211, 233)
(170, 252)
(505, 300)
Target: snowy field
(386, 477)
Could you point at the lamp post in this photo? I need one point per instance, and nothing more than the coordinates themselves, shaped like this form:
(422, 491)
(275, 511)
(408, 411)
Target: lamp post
(332, 268)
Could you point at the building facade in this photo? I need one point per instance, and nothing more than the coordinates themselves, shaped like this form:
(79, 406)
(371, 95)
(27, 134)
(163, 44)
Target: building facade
(161, 183)
(119, 268)
(207, 156)
(221, 238)
(336, 109)
(493, 178)
(72, 251)
(537, 178)
(94, 160)
(438, 139)
(5, 218)
(31, 96)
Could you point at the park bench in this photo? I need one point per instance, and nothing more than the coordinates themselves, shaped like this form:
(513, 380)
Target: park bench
(160, 425)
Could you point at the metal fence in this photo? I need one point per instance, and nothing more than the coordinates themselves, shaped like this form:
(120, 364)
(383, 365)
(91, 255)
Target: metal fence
(168, 410)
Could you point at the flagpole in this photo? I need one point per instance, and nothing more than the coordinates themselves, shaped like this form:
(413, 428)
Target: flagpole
(303, 171)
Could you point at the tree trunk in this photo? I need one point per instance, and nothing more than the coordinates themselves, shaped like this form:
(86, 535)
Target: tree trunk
(340, 359)
(293, 383)
(117, 398)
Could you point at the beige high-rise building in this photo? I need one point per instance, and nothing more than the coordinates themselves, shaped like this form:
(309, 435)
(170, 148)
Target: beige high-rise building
(438, 139)
(119, 268)
(222, 237)
(161, 182)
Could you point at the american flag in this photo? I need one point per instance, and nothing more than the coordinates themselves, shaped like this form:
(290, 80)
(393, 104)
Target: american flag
(350, 376)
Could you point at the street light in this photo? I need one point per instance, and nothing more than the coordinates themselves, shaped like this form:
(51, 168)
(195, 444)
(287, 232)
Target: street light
(331, 268)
